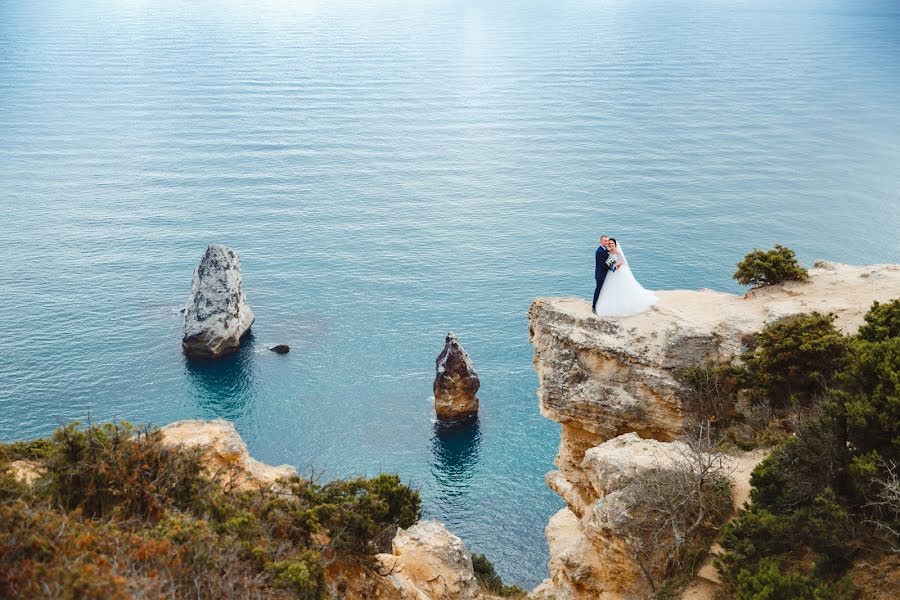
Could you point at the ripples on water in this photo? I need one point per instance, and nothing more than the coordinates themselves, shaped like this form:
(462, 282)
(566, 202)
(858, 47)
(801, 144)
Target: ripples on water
(390, 171)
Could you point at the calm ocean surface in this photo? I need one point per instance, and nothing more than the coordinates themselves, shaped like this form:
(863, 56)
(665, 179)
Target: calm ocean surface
(389, 171)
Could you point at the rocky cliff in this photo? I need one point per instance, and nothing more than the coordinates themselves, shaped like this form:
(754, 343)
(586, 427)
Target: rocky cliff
(427, 562)
(610, 381)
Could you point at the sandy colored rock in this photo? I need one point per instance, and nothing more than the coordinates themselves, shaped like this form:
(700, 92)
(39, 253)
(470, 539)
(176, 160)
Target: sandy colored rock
(589, 556)
(604, 376)
(455, 382)
(225, 452)
(611, 381)
(428, 562)
(217, 315)
(26, 471)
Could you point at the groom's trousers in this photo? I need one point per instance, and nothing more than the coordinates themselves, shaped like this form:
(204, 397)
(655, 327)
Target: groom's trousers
(597, 291)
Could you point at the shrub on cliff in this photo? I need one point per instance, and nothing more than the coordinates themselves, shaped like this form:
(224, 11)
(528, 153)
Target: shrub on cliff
(882, 322)
(118, 515)
(714, 387)
(796, 358)
(829, 495)
(490, 581)
(682, 503)
(106, 468)
(759, 268)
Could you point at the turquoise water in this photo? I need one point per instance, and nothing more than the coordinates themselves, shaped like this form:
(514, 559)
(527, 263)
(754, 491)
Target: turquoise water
(390, 171)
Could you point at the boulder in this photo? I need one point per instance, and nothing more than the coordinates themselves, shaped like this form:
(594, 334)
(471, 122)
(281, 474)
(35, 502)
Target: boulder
(217, 316)
(225, 453)
(280, 349)
(428, 562)
(455, 383)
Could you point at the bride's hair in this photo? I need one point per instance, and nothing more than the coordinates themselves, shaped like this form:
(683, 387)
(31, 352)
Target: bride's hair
(613, 240)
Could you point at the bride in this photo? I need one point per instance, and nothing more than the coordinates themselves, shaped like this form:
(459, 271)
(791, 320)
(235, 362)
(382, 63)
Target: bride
(621, 294)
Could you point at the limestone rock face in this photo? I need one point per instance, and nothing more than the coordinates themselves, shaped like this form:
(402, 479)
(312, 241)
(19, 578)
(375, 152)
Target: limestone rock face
(225, 452)
(217, 315)
(427, 561)
(430, 563)
(589, 557)
(455, 382)
(603, 377)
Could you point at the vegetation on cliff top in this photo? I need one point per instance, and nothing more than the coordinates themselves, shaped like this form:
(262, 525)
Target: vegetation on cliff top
(828, 497)
(767, 267)
(117, 514)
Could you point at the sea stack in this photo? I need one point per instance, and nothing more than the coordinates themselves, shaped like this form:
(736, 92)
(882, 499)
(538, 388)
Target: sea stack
(455, 383)
(217, 316)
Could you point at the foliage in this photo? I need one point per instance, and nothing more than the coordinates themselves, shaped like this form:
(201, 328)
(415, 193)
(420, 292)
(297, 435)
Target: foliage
(882, 322)
(489, 580)
(117, 514)
(106, 468)
(769, 582)
(759, 268)
(28, 450)
(682, 503)
(828, 495)
(869, 398)
(796, 359)
(714, 387)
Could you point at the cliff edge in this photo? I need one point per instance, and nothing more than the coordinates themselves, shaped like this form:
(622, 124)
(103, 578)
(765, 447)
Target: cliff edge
(602, 378)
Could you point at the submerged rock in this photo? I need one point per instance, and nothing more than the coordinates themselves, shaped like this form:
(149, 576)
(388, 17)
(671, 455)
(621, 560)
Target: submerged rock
(280, 349)
(217, 315)
(455, 383)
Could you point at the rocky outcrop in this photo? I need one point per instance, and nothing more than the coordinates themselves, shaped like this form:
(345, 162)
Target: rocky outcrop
(429, 562)
(603, 377)
(588, 540)
(225, 453)
(455, 383)
(217, 316)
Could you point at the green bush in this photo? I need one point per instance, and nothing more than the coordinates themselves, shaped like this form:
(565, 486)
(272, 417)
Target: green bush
(882, 322)
(869, 399)
(827, 496)
(714, 387)
(761, 268)
(110, 467)
(796, 359)
(800, 469)
(770, 583)
(29, 450)
(117, 514)
(490, 581)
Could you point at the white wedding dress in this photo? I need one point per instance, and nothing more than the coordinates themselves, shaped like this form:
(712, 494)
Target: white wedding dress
(621, 294)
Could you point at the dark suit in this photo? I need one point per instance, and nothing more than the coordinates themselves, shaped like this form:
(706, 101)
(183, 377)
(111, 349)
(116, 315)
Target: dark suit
(600, 271)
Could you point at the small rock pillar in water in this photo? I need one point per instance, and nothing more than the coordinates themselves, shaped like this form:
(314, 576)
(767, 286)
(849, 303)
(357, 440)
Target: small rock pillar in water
(217, 316)
(455, 383)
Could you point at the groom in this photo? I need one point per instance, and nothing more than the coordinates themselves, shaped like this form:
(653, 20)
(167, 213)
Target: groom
(600, 268)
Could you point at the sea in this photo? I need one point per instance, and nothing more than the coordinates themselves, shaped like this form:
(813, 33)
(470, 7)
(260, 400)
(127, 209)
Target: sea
(391, 170)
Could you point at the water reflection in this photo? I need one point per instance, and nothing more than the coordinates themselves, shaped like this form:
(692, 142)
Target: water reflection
(224, 387)
(455, 452)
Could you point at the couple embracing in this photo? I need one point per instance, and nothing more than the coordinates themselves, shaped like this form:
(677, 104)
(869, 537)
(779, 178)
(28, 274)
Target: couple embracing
(618, 293)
